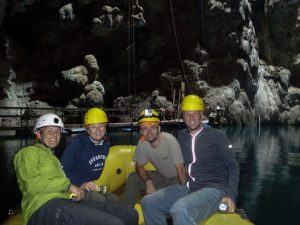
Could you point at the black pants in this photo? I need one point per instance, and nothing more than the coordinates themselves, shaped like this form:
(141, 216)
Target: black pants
(67, 212)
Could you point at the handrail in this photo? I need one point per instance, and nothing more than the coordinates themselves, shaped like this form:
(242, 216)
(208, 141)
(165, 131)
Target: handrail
(20, 117)
(24, 117)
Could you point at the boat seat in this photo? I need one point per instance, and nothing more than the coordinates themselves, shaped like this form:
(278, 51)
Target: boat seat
(216, 219)
(16, 219)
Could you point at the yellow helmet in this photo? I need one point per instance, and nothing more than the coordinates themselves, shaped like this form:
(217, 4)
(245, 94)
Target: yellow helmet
(192, 103)
(95, 115)
(148, 115)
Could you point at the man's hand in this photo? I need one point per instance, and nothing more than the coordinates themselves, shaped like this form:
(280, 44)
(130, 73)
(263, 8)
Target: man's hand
(77, 191)
(89, 186)
(150, 188)
(230, 203)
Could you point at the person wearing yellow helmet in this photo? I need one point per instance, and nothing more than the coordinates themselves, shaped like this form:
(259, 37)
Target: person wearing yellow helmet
(213, 173)
(162, 150)
(46, 189)
(192, 108)
(84, 158)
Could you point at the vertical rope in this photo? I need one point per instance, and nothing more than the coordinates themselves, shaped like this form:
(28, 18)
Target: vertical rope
(204, 40)
(133, 58)
(178, 50)
(131, 50)
(129, 39)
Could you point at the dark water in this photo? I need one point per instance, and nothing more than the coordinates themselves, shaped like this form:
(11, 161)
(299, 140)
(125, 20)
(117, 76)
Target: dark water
(269, 160)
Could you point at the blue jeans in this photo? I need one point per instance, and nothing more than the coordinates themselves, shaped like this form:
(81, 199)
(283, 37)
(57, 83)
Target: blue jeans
(185, 208)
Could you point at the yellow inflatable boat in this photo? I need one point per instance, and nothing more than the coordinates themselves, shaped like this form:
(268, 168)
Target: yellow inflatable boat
(118, 166)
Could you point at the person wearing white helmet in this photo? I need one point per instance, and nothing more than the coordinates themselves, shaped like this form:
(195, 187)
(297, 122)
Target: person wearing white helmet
(46, 190)
(163, 151)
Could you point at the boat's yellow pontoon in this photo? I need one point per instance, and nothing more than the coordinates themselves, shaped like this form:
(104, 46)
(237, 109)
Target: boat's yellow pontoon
(118, 166)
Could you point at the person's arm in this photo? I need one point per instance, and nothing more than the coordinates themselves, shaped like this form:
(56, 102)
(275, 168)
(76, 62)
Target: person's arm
(27, 166)
(177, 157)
(181, 173)
(140, 170)
(69, 160)
(90, 186)
(140, 159)
(232, 170)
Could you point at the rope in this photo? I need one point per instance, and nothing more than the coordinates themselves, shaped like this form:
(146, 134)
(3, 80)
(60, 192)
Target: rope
(129, 38)
(131, 44)
(178, 49)
(133, 59)
(204, 40)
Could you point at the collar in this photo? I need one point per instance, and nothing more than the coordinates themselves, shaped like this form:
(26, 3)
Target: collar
(43, 147)
(194, 135)
(95, 142)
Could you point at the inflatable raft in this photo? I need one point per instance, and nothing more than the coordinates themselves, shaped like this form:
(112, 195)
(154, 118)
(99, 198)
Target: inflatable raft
(118, 166)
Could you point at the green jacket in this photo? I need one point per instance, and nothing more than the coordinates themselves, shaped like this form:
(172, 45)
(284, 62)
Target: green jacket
(40, 178)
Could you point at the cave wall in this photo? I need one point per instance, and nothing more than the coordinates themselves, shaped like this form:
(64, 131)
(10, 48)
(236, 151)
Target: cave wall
(212, 45)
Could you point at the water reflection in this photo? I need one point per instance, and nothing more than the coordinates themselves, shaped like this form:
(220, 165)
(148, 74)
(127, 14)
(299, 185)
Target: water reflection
(269, 161)
(9, 189)
(293, 159)
(269, 184)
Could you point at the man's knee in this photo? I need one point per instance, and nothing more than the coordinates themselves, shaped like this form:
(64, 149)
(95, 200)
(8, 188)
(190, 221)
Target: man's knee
(178, 207)
(133, 178)
(147, 201)
(144, 201)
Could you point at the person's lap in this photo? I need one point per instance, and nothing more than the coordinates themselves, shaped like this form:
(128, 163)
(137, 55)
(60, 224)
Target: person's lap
(135, 187)
(157, 205)
(196, 206)
(66, 212)
(167, 196)
(184, 207)
(127, 214)
(99, 197)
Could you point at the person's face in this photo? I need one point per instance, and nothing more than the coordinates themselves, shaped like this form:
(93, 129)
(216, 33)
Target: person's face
(193, 119)
(96, 131)
(49, 136)
(150, 131)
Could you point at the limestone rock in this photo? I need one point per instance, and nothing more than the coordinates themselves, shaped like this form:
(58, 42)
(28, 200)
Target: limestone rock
(76, 77)
(66, 12)
(93, 68)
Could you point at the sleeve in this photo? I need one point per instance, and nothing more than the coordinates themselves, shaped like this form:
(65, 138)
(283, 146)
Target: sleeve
(231, 165)
(107, 147)
(32, 181)
(139, 155)
(69, 160)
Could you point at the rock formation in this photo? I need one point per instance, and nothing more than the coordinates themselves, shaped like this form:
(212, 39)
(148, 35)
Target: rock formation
(242, 55)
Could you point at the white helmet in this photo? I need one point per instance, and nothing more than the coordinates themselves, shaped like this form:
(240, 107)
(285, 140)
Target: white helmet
(48, 119)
